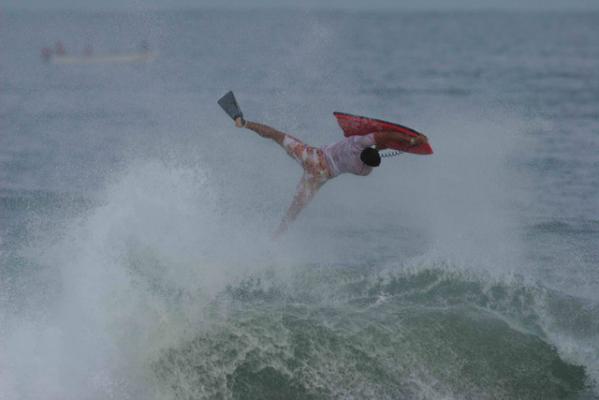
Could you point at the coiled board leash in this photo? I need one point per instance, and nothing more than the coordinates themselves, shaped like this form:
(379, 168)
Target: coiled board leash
(389, 154)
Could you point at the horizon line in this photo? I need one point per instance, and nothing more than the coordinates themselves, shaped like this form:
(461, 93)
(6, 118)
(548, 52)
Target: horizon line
(294, 7)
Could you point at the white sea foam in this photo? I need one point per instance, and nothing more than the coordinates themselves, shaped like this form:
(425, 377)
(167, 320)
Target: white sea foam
(133, 275)
(136, 273)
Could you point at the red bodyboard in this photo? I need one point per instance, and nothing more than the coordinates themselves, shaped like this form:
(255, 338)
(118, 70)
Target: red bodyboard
(353, 125)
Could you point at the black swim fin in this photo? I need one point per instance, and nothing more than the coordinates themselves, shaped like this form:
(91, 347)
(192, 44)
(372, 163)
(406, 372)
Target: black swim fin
(229, 104)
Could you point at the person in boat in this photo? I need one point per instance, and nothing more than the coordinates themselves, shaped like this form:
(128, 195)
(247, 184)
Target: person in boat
(59, 49)
(46, 54)
(356, 155)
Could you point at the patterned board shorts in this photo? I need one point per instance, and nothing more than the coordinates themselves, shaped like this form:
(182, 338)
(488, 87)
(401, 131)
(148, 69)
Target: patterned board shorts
(314, 163)
(311, 159)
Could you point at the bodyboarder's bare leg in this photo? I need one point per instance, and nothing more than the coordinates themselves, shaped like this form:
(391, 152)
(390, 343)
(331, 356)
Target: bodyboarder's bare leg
(306, 189)
(264, 131)
(311, 160)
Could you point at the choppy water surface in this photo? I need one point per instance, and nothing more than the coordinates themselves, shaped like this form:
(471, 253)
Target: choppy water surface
(135, 221)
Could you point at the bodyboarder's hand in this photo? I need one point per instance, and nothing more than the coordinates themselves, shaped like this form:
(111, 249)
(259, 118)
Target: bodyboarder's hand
(418, 140)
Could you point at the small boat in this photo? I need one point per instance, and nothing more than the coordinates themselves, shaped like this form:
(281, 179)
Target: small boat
(126, 58)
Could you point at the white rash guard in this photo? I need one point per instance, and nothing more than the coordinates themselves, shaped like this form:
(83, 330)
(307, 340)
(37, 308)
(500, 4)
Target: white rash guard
(344, 156)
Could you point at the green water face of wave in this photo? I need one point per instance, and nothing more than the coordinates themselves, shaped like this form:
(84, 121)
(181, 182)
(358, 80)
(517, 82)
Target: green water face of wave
(431, 335)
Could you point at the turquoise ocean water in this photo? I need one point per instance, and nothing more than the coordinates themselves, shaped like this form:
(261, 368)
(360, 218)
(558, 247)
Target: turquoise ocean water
(135, 220)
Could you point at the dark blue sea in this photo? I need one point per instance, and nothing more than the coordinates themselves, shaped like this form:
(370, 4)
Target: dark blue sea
(136, 259)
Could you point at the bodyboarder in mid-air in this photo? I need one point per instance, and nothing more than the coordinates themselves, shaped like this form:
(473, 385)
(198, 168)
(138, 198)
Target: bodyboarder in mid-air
(357, 155)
